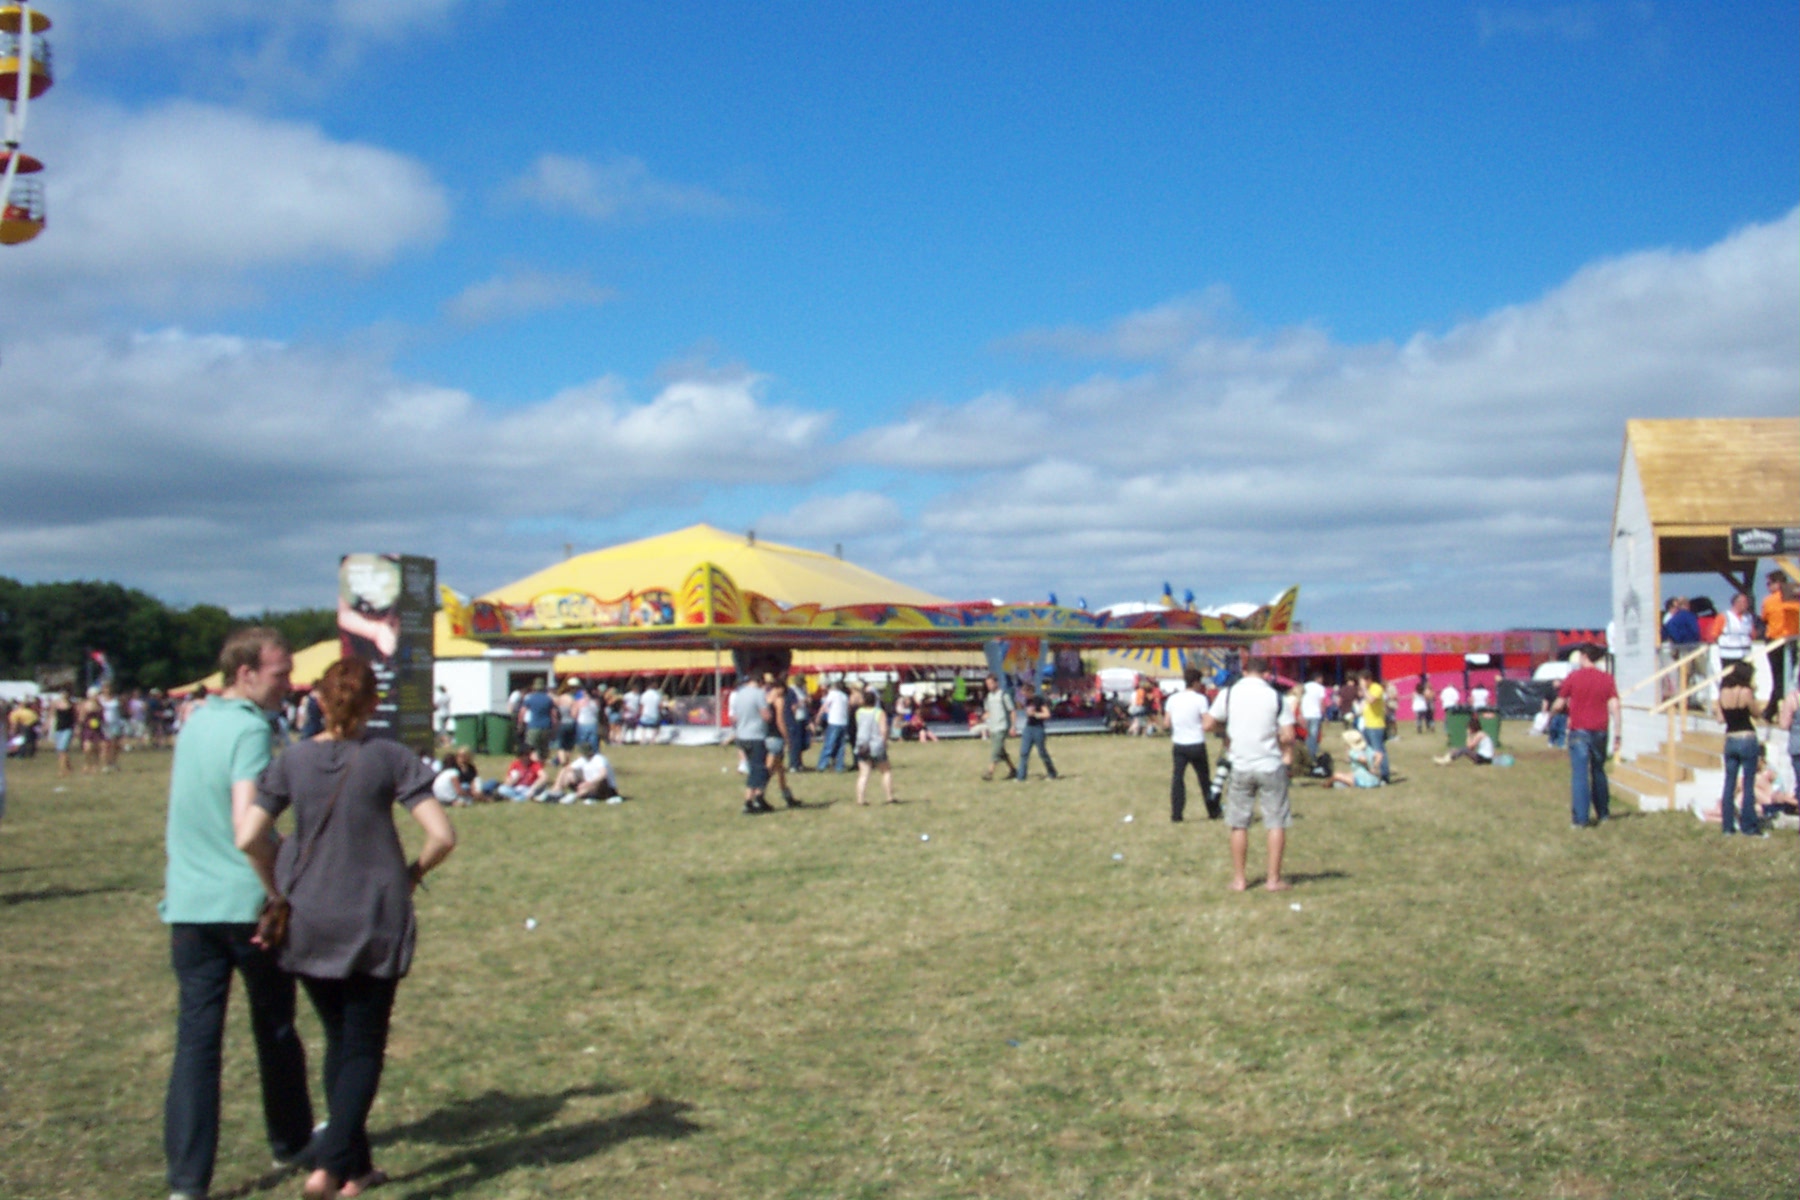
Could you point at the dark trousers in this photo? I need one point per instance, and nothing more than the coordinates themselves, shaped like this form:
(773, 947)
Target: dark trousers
(355, 1014)
(756, 758)
(204, 956)
(1183, 757)
(1779, 658)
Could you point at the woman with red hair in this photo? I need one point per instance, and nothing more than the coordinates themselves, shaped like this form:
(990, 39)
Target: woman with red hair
(344, 873)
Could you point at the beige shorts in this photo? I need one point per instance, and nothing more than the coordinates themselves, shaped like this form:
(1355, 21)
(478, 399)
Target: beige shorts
(1247, 789)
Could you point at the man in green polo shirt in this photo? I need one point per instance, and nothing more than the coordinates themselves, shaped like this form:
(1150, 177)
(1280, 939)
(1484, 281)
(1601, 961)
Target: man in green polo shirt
(211, 898)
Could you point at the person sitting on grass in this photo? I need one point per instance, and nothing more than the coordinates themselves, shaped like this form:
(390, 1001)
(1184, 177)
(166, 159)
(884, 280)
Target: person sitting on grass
(597, 780)
(587, 778)
(524, 777)
(916, 729)
(449, 787)
(1365, 763)
(1478, 748)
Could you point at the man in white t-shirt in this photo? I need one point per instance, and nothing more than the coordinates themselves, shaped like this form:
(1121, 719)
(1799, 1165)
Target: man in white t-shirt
(1312, 711)
(1478, 698)
(836, 710)
(1183, 717)
(1448, 699)
(633, 705)
(1259, 737)
(587, 777)
(597, 781)
(650, 705)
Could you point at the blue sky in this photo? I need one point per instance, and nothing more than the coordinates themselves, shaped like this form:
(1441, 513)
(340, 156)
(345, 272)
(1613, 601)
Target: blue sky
(1006, 298)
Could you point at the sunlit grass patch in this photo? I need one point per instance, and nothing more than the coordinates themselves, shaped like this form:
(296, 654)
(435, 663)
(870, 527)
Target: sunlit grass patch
(1469, 1000)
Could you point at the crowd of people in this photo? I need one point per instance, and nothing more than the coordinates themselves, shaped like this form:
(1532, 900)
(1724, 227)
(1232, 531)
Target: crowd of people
(1695, 632)
(97, 724)
(328, 910)
(581, 716)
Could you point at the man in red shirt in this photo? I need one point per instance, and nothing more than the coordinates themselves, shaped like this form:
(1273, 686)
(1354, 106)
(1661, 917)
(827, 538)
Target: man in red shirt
(1591, 699)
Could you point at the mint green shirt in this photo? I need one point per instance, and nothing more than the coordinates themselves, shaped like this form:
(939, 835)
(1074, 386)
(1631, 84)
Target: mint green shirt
(209, 880)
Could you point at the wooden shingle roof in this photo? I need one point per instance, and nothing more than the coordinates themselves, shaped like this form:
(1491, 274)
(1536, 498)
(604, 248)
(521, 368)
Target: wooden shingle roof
(1718, 472)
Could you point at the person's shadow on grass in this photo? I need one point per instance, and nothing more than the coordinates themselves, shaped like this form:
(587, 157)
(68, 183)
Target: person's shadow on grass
(468, 1127)
(57, 893)
(471, 1125)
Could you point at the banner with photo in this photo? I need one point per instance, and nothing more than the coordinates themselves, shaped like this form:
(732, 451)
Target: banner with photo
(386, 603)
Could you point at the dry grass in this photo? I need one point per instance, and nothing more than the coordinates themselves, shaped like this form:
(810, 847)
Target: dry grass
(1471, 1000)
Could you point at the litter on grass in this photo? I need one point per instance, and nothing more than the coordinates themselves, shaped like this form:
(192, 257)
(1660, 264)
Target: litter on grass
(1127, 818)
(924, 837)
(1295, 907)
(530, 924)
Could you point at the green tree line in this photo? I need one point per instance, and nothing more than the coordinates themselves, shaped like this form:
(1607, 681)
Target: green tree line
(149, 643)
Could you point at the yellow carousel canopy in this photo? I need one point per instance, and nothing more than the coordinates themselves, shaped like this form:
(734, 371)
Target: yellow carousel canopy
(702, 589)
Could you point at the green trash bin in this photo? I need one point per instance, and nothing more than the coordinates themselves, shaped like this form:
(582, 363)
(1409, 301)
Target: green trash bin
(1456, 726)
(467, 731)
(498, 728)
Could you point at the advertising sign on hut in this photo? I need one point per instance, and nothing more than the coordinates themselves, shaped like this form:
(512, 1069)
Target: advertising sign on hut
(1763, 541)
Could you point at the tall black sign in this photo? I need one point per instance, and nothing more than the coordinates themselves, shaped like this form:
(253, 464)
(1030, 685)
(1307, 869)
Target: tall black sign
(386, 603)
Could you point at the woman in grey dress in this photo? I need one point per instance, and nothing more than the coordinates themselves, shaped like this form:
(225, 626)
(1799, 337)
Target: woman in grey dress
(351, 933)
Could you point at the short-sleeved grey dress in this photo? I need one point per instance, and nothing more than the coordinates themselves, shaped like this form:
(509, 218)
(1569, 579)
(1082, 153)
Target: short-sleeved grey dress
(352, 904)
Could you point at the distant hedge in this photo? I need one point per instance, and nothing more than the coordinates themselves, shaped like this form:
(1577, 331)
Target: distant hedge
(149, 643)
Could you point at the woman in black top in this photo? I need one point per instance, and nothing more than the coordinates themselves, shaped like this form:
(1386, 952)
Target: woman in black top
(351, 935)
(1741, 747)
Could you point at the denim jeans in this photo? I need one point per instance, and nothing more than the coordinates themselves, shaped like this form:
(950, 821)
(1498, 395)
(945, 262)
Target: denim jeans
(1033, 735)
(1185, 756)
(204, 956)
(355, 1014)
(796, 747)
(1587, 775)
(1313, 726)
(831, 750)
(1377, 739)
(1741, 753)
(1558, 731)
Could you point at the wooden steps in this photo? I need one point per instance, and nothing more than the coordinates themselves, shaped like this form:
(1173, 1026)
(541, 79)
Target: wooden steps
(1649, 778)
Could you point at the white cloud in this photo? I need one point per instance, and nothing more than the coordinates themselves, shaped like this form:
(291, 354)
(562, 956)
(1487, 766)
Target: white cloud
(175, 460)
(1567, 22)
(1477, 464)
(183, 203)
(616, 189)
(520, 294)
(823, 518)
(1457, 479)
(293, 44)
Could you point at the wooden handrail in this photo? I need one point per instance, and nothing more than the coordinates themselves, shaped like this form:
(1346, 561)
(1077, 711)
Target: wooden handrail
(1670, 702)
(1699, 652)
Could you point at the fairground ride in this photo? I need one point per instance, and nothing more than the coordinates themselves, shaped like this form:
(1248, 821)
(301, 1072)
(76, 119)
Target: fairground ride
(24, 76)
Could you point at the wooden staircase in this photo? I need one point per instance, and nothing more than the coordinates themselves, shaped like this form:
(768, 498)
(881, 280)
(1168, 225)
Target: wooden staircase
(1699, 759)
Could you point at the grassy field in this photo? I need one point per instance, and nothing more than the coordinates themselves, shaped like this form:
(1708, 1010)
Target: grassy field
(1460, 998)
